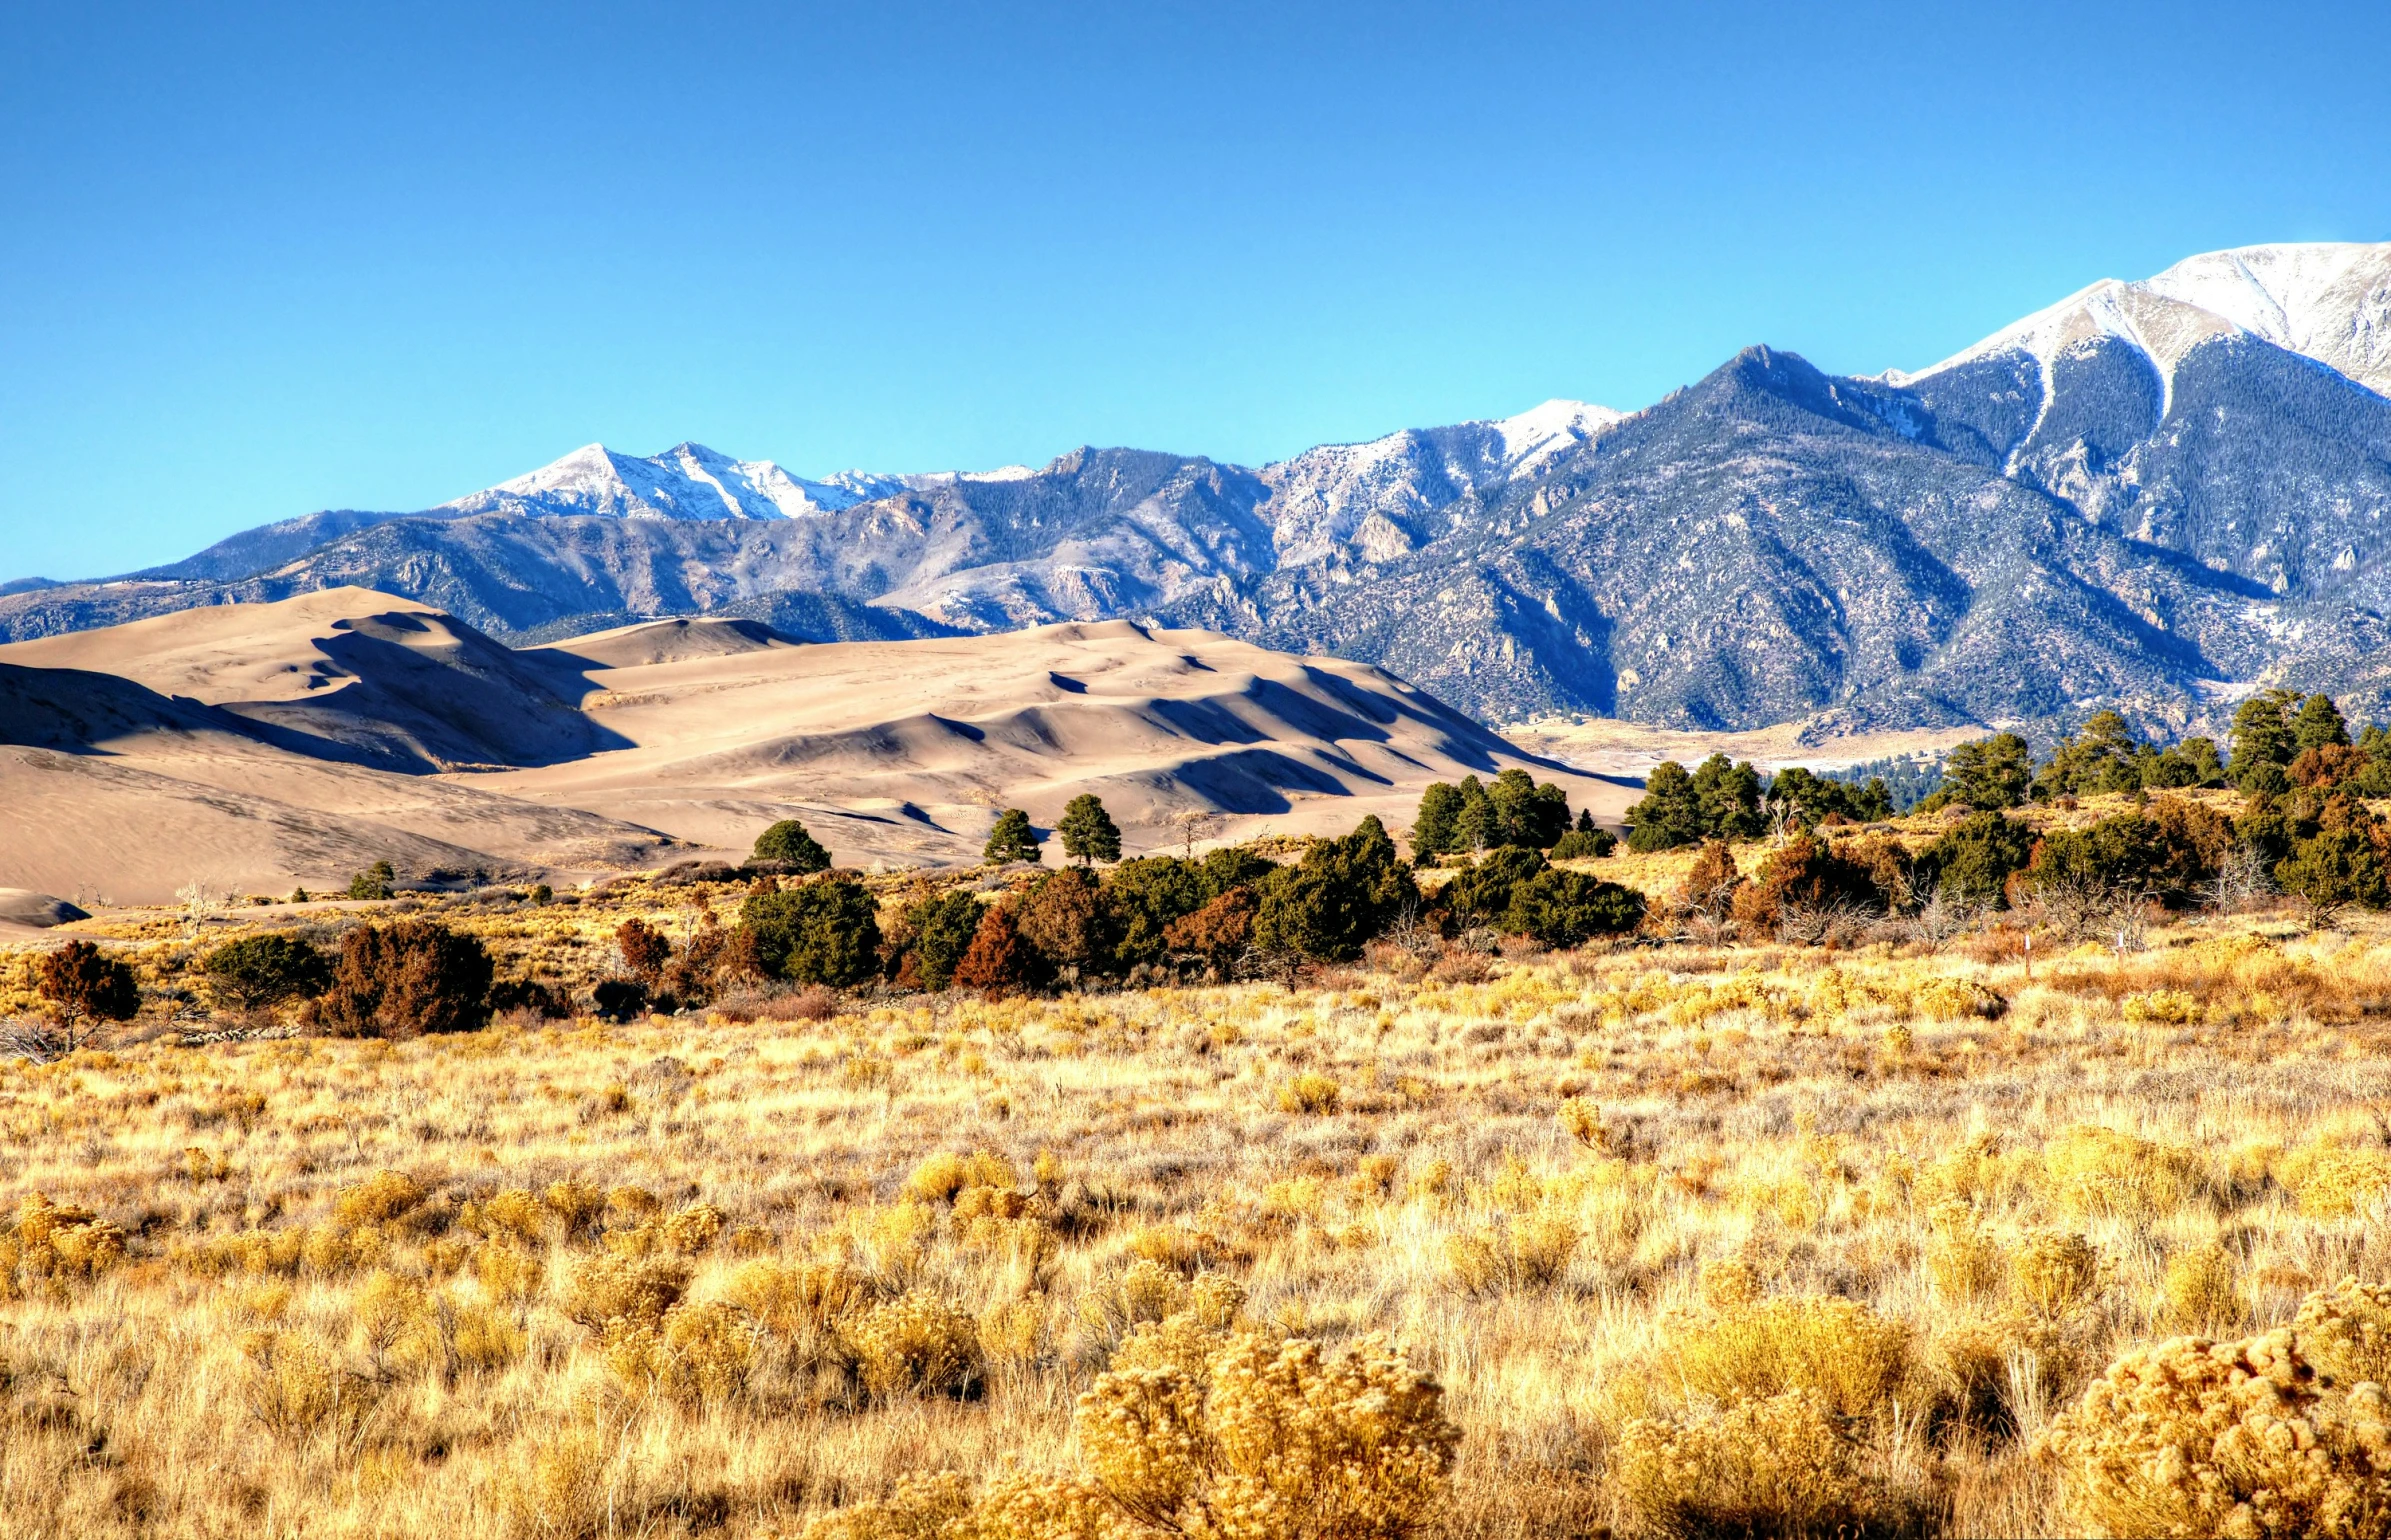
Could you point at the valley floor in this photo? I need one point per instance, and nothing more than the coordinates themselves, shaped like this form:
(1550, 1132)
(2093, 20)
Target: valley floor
(311, 1287)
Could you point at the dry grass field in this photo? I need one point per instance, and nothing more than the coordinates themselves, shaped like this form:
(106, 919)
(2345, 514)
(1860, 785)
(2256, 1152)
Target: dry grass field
(1695, 1239)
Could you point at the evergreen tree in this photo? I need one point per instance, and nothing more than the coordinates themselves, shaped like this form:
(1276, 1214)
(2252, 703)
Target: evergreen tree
(787, 841)
(943, 929)
(2105, 756)
(1669, 815)
(2261, 737)
(1088, 832)
(1527, 813)
(1729, 797)
(997, 960)
(1436, 828)
(1986, 774)
(2318, 725)
(2331, 870)
(823, 932)
(1974, 860)
(1012, 839)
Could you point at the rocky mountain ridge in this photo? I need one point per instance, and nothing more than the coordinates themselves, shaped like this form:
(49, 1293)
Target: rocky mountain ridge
(2154, 495)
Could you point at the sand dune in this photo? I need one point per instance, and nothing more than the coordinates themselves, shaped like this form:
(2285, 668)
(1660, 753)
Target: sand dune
(902, 751)
(261, 747)
(348, 674)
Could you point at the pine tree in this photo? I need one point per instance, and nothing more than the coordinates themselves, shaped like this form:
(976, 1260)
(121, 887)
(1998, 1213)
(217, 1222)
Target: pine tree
(787, 841)
(1012, 839)
(2319, 725)
(1088, 831)
(1435, 829)
(1670, 814)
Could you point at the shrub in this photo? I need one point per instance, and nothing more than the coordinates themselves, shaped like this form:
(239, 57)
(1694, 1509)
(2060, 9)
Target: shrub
(787, 841)
(1087, 831)
(1310, 1093)
(1775, 1466)
(2330, 871)
(1529, 1252)
(636, 1290)
(1710, 883)
(997, 959)
(2054, 1272)
(1012, 839)
(1805, 874)
(260, 971)
(1220, 931)
(1584, 844)
(1481, 894)
(1276, 1441)
(645, 951)
(1972, 863)
(1143, 898)
(618, 999)
(84, 985)
(917, 1345)
(941, 931)
(2103, 1173)
(1062, 916)
(1343, 893)
(2287, 1433)
(822, 932)
(1838, 1349)
(406, 979)
(1564, 909)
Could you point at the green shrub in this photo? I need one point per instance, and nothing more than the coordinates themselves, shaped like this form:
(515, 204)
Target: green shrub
(1342, 894)
(1973, 861)
(1144, 897)
(822, 932)
(260, 971)
(942, 929)
(787, 841)
(1564, 908)
(1481, 895)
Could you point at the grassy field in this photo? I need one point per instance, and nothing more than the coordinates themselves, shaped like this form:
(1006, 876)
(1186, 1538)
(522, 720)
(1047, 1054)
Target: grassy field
(1695, 1239)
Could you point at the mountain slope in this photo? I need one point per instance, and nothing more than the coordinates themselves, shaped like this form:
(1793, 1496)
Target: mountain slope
(2154, 495)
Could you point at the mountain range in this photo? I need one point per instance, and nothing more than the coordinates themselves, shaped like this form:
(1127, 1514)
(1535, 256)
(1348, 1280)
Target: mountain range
(2154, 495)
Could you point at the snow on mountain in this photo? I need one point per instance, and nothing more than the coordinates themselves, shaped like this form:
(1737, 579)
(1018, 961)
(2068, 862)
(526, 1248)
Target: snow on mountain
(2328, 301)
(688, 481)
(1542, 432)
(1379, 499)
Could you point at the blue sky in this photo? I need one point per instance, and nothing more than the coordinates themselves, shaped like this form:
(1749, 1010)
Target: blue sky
(256, 261)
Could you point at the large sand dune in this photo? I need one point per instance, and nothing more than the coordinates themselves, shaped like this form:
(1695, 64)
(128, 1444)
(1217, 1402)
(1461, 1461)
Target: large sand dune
(257, 747)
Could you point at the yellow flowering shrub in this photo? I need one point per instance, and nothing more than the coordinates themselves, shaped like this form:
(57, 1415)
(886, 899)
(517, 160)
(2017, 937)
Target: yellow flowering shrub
(2245, 1439)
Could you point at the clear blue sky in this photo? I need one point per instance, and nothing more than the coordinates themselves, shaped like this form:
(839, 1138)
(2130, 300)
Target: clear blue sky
(256, 261)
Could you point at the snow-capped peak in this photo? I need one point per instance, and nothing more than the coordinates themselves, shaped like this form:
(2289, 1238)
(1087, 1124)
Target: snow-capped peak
(2330, 301)
(687, 481)
(1541, 432)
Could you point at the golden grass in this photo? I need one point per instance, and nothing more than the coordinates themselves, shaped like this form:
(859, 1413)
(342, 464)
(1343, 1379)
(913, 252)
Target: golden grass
(1693, 1239)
